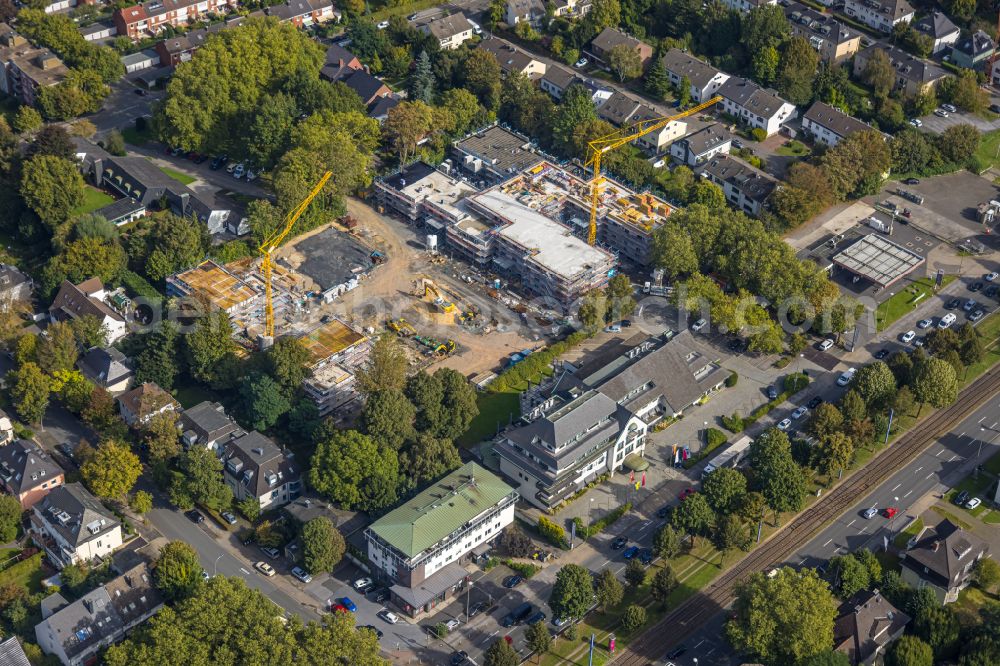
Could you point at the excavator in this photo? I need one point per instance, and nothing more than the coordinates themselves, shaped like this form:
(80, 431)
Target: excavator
(401, 327)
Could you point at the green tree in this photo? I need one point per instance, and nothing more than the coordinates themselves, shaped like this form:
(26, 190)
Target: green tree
(538, 638)
(269, 131)
(263, 401)
(909, 651)
(10, 518)
(635, 573)
(500, 653)
(177, 572)
(965, 92)
(780, 480)
(935, 383)
(624, 62)
(52, 187)
(609, 590)
(57, 349)
(351, 469)
(29, 390)
(52, 140)
(878, 73)
(684, 92)
(83, 259)
(421, 86)
(575, 108)
(853, 406)
(667, 542)
(481, 77)
(157, 362)
(730, 534)
(834, 453)
(141, 502)
(875, 384)
(938, 627)
(573, 592)
(406, 125)
(663, 585)
(287, 362)
(388, 418)
(210, 347)
(857, 165)
(101, 414)
(986, 574)
(828, 658)
(724, 489)
(226, 622)
(958, 143)
(167, 244)
(322, 545)
(200, 481)
(73, 389)
(464, 108)
(797, 71)
(427, 458)
(673, 251)
(849, 575)
(162, 437)
(386, 367)
(112, 471)
(633, 618)
(764, 26)
(694, 516)
(826, 419)
(89, 331)
(656, 82)
(27, 119)
(784, 618)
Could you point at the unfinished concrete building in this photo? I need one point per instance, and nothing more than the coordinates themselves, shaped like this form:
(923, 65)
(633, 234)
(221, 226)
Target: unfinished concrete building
(216, 286)
(337, 351)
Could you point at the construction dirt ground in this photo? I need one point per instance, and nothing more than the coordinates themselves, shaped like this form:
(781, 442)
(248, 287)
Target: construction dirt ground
(395, 290)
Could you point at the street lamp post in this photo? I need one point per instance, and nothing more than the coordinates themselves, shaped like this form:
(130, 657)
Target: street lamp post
(215, 566)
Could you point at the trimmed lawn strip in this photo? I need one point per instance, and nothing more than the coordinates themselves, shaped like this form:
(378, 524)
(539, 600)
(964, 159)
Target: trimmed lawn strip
(913, 529)
(93, 199)
(177, 175)
(905, 301)
(28, 574)
(940, 510)
(494, 409)
(989, 145)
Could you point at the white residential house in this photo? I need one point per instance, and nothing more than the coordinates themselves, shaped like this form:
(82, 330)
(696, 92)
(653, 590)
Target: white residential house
(72, 526)
(419, 546)
(744, 6)
(142, 403)
(881, 15)
(754, 105)
(531, 12)
(940, 29)
(450, 31)
(746, 188)
(254, 466)
(702, 146)
(705, 80)
(658, 143)
(88, 298)
(830, 126)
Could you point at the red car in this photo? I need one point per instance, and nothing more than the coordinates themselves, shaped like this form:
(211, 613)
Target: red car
(339, 607)
(890, 511)
(687, 492)
(510, 641)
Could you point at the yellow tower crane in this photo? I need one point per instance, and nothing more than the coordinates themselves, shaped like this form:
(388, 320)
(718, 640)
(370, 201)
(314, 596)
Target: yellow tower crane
(627, 134)
(272, 242)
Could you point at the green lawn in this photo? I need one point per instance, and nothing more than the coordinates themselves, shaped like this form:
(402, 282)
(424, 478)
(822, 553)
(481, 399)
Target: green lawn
(912, 530)
(177, 175)
(191, 395)
(494, 408)
(906, 301)
(136, 137)
(93, 199)
(793, 149)
(989, 148)
(28, 574)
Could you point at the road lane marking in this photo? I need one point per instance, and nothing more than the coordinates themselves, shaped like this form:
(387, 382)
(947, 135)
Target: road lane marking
(894, 489)
(907, 493)
(929, 475)
(827, 543)
(939, 453)
(918, 469)
(856, 520)
(953, 457)
(244, 571)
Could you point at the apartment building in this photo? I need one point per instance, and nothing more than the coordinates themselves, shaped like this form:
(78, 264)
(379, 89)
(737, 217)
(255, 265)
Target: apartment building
(701, 146)
(419, 545)
(255, 467)
(940, 29)
(705, 80)
(28, 473)
(914, 76)
(148, 18)
(72, 526)
(834, 41)
(450, 31)
(746, 188)
(594, 419)
(336, 352)
(755, 106)
(221, 288)
(881, 15)
(26, 68)
(830, 126)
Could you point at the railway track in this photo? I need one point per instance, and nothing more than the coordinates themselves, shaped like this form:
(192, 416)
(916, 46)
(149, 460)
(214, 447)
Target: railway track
(650, 648)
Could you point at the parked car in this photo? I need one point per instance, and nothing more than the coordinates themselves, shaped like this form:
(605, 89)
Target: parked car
(973, 503)
(920, 341)
(195, 516)
(890, 512)
(990, 277)
(911, 181)
(388, 616)
(684, 494)
(962, 497)
(950, 108)
(953, 304)
(698, 325)
(991, 291)
(630, 552)
(510, 582)
(846, 377)
(645, 556)
(517, 615)
(826, 344)
(772, 392)
(613, 328)
(229, 517)
(270, 551)
(378, 632)
(799, 412)
(452, 624)
(364, 584)
(869, 513)
(381, 596)
(916, 122)
(663, 512)
(459, 658)
(881, 354)
(976, 316)
(218, 162)
(969, 305)
(348, 604)
(619, 543)
(941, 113)
(976, 286)
(815, 402)
(477, 608)
(582, 62)
(537, 616)
(925, 323)
(302, 574)
(784, 424)
(336, 607)
(239, 171)
(264, 568)
(908, 336)
(947, 320)
(382, 25)
(995, 108)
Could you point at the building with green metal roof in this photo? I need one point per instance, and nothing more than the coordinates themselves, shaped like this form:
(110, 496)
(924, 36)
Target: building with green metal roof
(420, 545)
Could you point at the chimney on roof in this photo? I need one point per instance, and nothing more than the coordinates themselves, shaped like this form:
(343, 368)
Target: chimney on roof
(937, 544)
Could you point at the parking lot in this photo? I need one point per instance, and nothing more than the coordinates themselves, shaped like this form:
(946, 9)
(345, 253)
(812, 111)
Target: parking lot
(949, 207)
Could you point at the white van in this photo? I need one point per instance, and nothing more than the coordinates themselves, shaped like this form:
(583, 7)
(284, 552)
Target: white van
(947, 320)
